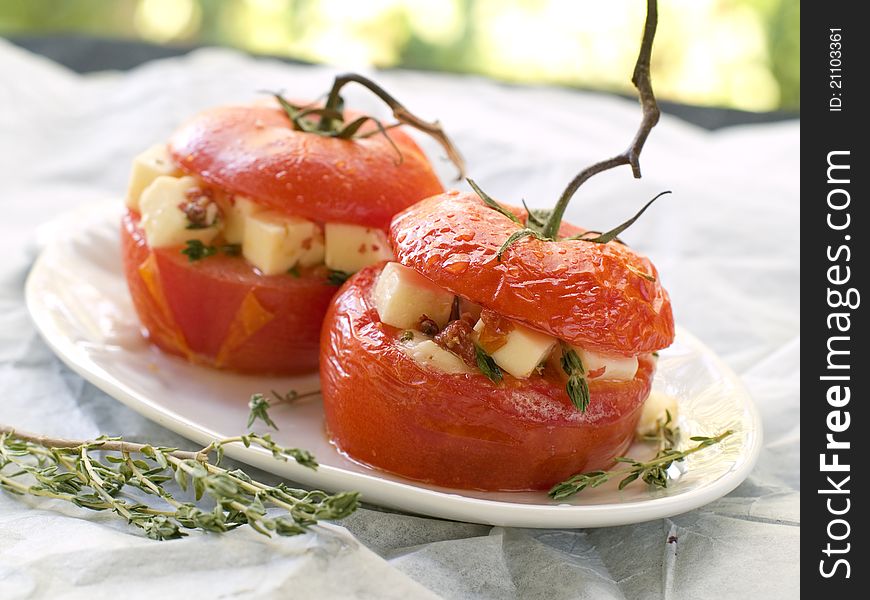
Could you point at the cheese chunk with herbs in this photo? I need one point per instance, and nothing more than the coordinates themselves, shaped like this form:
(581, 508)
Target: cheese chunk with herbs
(148, 166)
(350, 248)
(402, 296)
(620, 368)
(236, 213)
(274, 242)
(429, 354)
(164, 221)
(523, 350)
(655, 409)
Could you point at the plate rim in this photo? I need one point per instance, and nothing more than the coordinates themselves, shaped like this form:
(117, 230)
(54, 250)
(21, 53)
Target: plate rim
(450, 505)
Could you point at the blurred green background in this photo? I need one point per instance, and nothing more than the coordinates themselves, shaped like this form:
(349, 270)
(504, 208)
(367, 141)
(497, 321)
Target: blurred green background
(742, 54)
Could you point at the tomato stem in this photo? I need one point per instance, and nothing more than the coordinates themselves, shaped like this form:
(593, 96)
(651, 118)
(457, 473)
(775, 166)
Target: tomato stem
(401, 114)
(631, 156)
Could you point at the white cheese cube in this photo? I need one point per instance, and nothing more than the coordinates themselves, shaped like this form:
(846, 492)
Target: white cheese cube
(429, 354)
(524, 349)
(655, 409)
(402, 295)
(275, 242)
(148, 166)
(235, 213)
(350, 248)
(620, 368)
(164, 222)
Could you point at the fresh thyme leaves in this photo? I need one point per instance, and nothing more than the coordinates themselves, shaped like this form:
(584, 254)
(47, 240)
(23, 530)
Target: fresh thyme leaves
(487, 365)
(196, 250)
(664, 434)
(492, 203)
(107, 473)
(611, 235)
(577, 386)
(330, 118)
(294, 271)
(337, 278)
(259, 405)
(652, 472)
(406, 336)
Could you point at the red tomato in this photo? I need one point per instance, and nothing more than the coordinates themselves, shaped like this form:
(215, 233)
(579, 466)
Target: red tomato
(220, 312)
(254, 151)
(598, 296)
(462, 431)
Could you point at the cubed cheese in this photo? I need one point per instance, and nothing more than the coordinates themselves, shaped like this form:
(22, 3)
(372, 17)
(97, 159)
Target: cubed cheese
(148, 166)
(164, 222)
(236, 211)
(274, 242)
(431, 355)
(350, 248)
(655, 409)
(402, 296)
(621, 368)
(524, 349)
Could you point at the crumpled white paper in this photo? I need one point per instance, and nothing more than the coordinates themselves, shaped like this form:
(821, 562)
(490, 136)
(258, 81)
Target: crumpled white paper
(726, 244)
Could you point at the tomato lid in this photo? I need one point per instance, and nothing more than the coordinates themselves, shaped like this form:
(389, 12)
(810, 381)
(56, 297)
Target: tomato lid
(254, 151)
(605, 297)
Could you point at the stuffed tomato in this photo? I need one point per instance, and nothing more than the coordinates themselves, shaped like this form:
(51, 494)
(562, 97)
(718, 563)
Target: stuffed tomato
(240, 229)
(458, 366)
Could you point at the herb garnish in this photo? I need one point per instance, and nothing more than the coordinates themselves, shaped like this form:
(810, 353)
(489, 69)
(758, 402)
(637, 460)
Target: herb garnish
(294, 271)
(337, 278)
(406, 336)
(577, 386)
(108, 474)
(196, 250)
(652, 472)
(260, 404)
(487, 365)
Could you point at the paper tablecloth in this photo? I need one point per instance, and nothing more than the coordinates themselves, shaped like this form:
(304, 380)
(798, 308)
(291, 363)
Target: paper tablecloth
(726, 244)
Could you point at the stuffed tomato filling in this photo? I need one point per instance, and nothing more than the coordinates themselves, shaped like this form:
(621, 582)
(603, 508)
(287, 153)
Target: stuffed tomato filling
(181, 210)
(404, 390)
(445, 332)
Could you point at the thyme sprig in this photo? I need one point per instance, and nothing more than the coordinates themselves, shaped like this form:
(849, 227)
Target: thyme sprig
(652, 472)
(330, 119)
(128, 479)
(577, 386)
(259, 405)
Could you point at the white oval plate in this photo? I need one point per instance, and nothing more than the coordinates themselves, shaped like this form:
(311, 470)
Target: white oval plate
(78, 298)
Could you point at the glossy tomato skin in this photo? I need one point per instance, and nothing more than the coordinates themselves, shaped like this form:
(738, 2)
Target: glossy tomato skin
(254, 151)
(604, 297)
(462, 431)
(220, 312)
